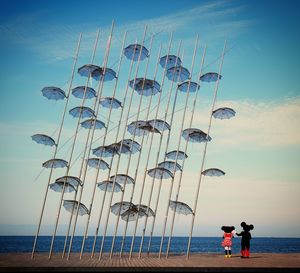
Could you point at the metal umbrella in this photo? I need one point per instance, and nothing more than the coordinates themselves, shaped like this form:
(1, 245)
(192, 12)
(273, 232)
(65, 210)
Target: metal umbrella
(110, 102)
(108, 186)
(179, 154)
(195, 135)
(134, 128)
(72, 180)
(82, 112)
(59, 185)
(122, 179)
(169, 61)
(97, 163)
(97, 72)
(90, 123)
(170, 165)
(159, 124)
(178, 73)
(133, 145)
(132, 52)
(55, 163)
(223, 113)
(160, 173)
(79, 91)
(145, 87)
(120, 207)
(210, 77)
(180, 207)
(72, 206)
(149, 129)
(53, 93)
(192, 86)
(213, 172)
(43, 139)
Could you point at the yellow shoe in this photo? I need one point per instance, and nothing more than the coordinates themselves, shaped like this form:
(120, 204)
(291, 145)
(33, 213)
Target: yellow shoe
(226, 256)
(229, 256)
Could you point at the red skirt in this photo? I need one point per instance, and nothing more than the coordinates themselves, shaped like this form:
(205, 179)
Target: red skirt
(227, 242)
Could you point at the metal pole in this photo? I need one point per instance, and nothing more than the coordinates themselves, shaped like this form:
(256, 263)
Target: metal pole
(104, 139)
(57, 142)
(158, 152)
(71, 155)
(204, 153)
(96, 103)
(123, 137)
(178, 147)
(128, 164)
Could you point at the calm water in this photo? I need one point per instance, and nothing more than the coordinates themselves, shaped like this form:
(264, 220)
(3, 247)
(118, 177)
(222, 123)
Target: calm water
(178, 245)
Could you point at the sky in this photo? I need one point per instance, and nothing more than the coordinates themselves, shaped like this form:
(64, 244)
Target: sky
(259, 149)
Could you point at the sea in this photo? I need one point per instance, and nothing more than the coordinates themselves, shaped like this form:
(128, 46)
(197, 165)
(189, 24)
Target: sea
(178, 244)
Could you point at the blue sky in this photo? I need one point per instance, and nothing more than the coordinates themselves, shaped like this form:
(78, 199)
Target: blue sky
(259, 148)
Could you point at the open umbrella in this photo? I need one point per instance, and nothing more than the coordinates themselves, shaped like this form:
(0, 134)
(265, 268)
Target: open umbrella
(170, 165)
(132, 214)
(58, 187)
(159, 124)
(122, 179)
(120, 207)
(180, 207)
(133, 145)
(178, 74)
(72, 180)
(53, 93)
(43, 139)
(90, 123)
(108, 186)
(172, 155)
(132, 52)
(145, 87)
(210, 77)
(183, 87)
(82, 112)
(97, 72)
(160, 173)
(78, 92)
(97, 163)
(195, 135)
(213, 172)
(55, 163)
(110, 102)
(223, 113)
(134, 128)
(147, 210)
(149, 129)
(71, 206)
(171, 61)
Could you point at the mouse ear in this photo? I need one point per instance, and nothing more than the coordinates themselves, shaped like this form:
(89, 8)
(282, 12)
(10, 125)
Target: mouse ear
(243, 224)
(251, 227)
(222, 228)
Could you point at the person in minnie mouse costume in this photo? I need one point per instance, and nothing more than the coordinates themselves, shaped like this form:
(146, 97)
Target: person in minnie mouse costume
(246, 237)
(227, 242)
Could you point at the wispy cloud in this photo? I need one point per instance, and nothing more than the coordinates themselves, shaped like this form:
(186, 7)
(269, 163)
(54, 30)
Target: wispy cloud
(53, 42)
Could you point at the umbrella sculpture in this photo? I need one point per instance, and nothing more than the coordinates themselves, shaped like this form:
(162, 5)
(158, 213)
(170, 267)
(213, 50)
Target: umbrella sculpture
(213, 172)
(160, 173)
(132, 52)
(72, 180)
(90, 123)
(188, 85)
(109, 102)
(122, 179)
(97, 72)
(195, 135)
(178, 74)
(82, 111)
(169, 61)
(133, 145)
(145, 87)
(180, 207)
(172, 155)
(43, 139)
(223, 113)
(210, 77)
(53, 93)
(55, 163)
(120, 207)
(71, 206)
(159, 124)
(97, 163)
(170, 165)
(134, 128)
(59, 185)
(84, 91)
(149, 129)
(108, 186)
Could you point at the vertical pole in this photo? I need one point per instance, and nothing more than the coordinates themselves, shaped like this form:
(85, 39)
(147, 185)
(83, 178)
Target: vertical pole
(71, 155)
(57, 143)
(204, 153)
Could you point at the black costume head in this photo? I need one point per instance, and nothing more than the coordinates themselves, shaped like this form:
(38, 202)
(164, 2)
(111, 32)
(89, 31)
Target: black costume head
(228, 229)
(246, 227)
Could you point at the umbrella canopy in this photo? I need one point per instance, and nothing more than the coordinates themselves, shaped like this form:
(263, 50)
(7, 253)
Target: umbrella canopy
(172, 155)
(159, 124)
(132, 214)
(213, 172)
(147, 210)
(134, 128)
(97, 163)
(58, 187)
(133, 145)
(184, 87)
(223, 113)
(195, 135)
(55, 163)
(97, 72)
(72, 180)
(71, 206)
(180, 207)
(160, 173)
(210, 77)
(171, 61)
(145, 87)
(132, 52)
(82, 112)
(78, 92)
(170, 165)
(122, 179)
(53, 93)
(111, 150)
(149, 129)
(177, 74)
(108, 186)
(120, 207)
(43, 139)
(90, 123)
(110, 102)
